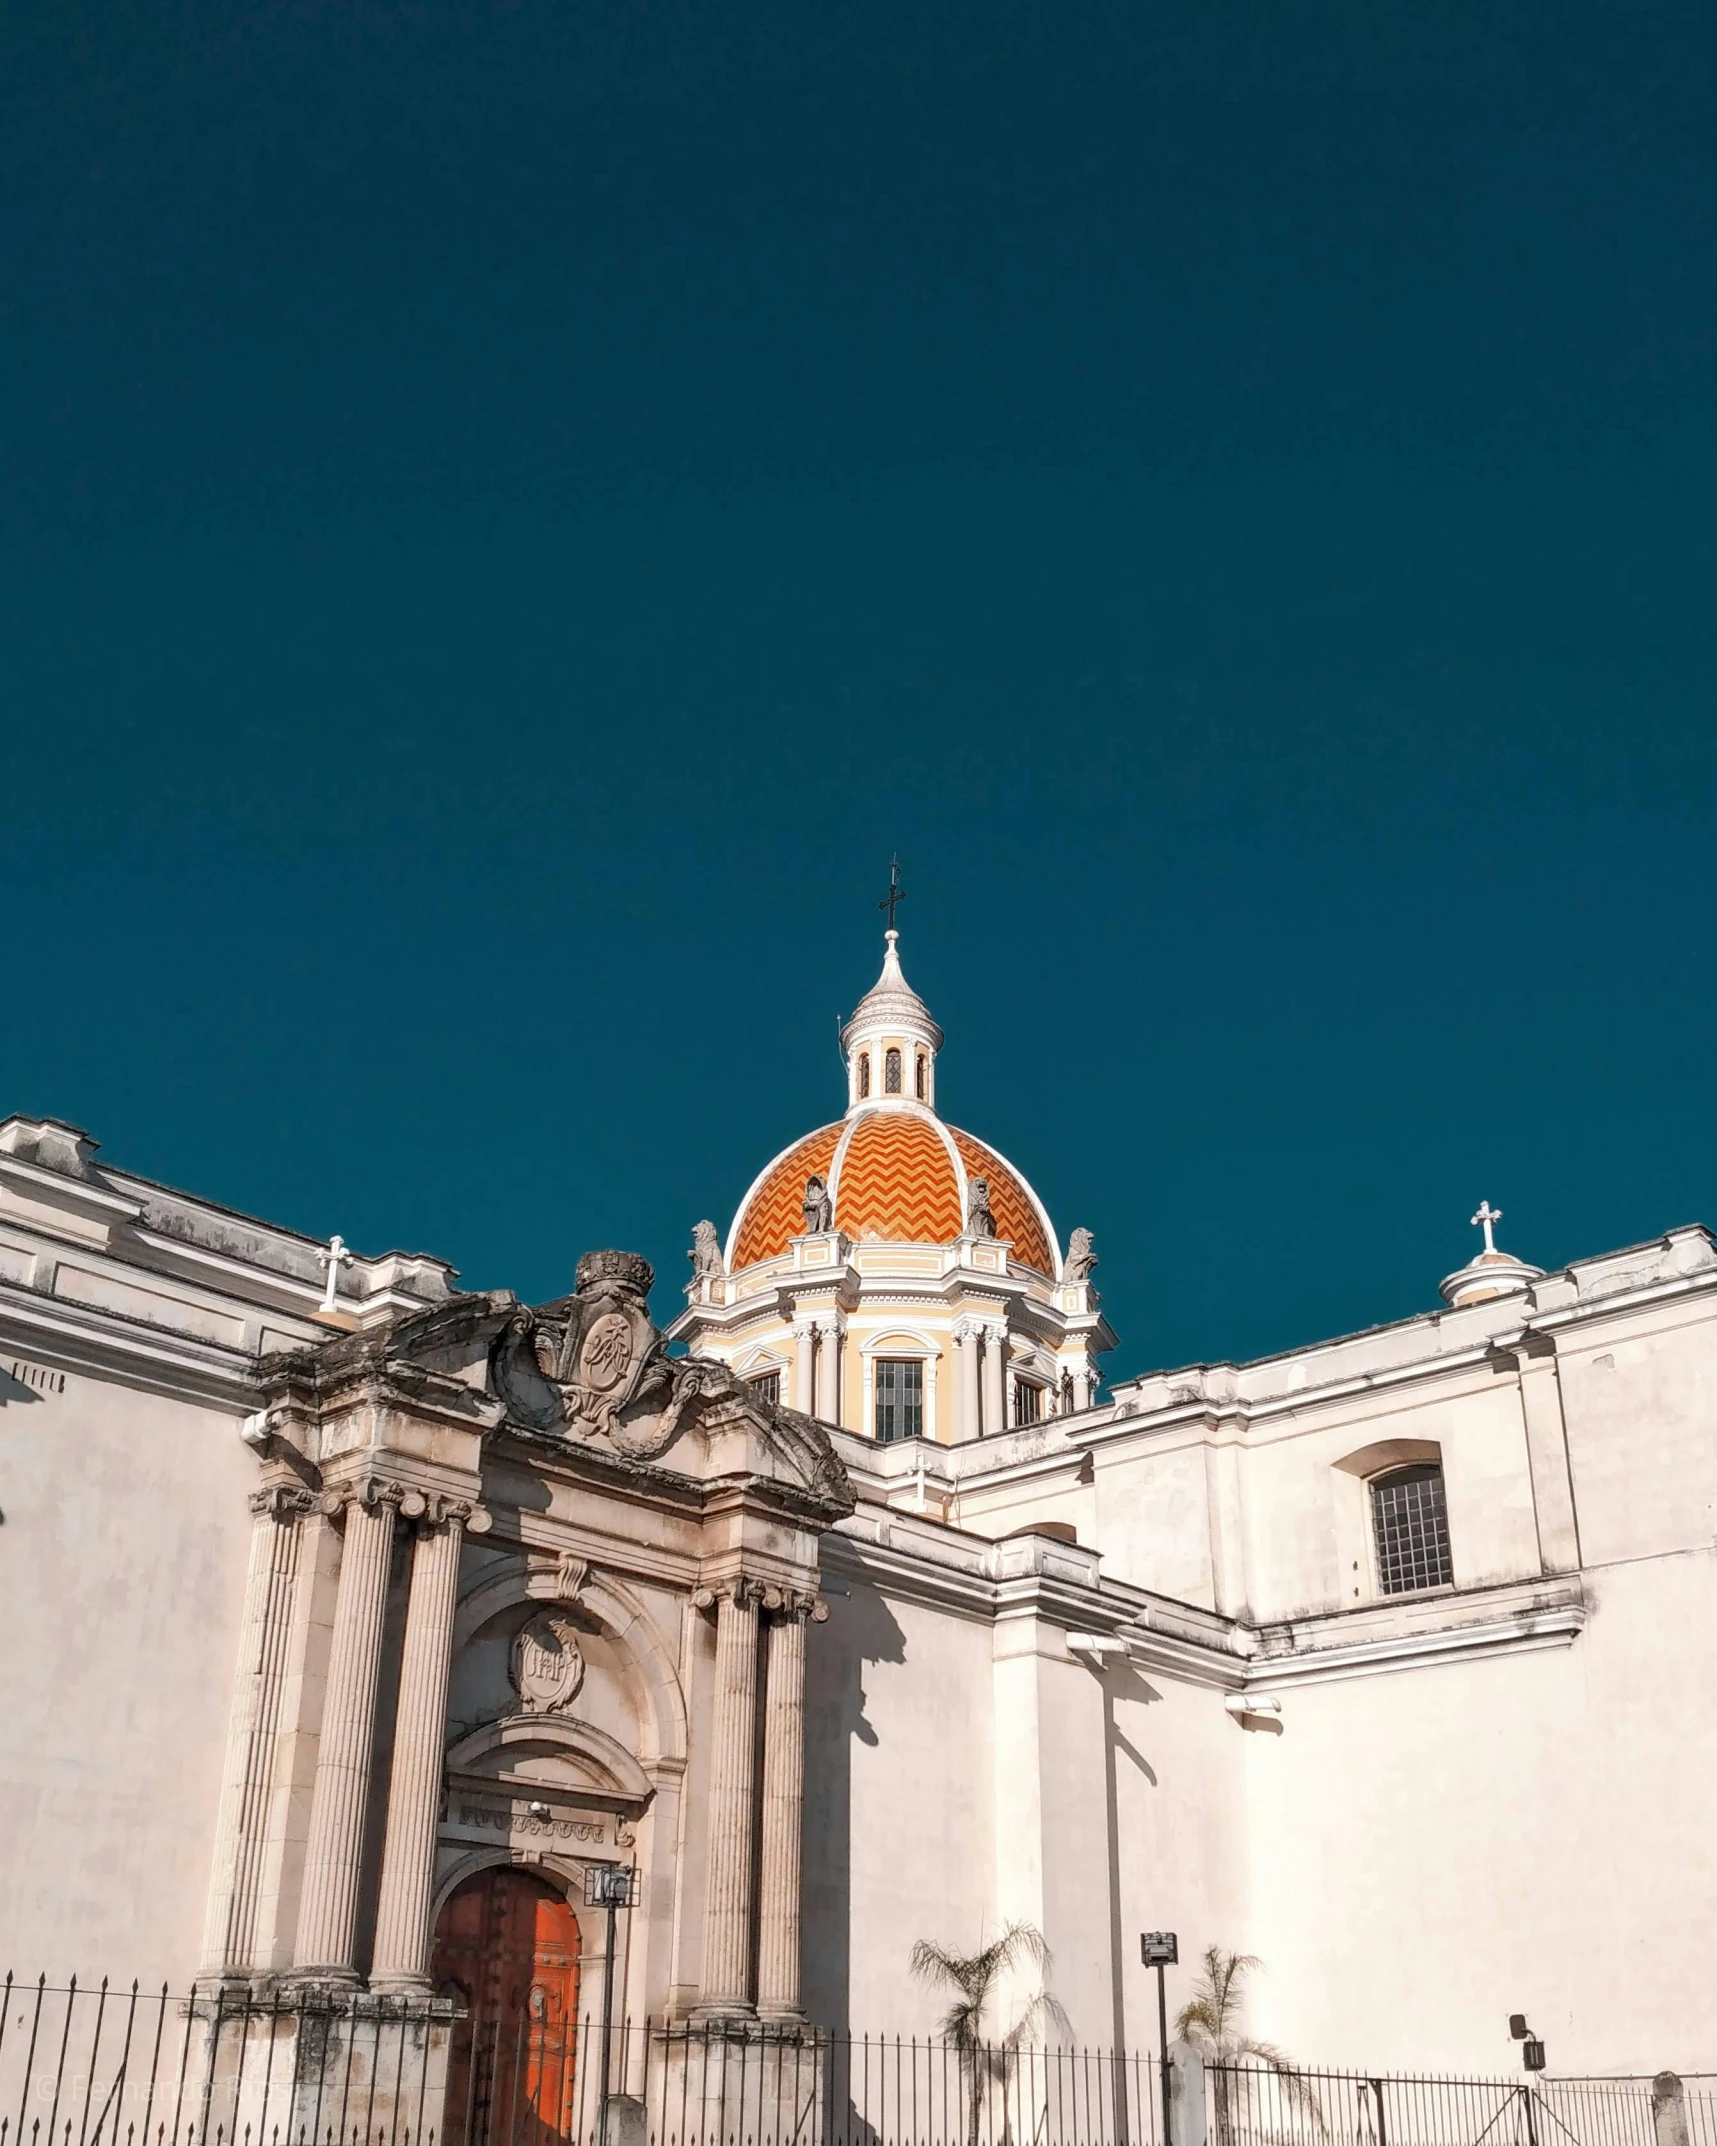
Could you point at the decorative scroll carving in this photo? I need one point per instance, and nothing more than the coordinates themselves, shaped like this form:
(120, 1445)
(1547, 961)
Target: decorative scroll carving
(284, 1500)
(431, 1508)
(774, 1601)
(547, 1663)
(596, 1365)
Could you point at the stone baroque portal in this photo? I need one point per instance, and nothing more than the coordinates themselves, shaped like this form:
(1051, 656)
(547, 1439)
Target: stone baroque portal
(496, 1464)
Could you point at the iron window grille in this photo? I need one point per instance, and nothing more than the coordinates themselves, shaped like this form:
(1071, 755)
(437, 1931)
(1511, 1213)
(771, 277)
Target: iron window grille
(899, 1399)
(767, 1386)
(891, 1073)
(1028, 1401)
(1411, 1519)
(864, 1073)
(920, 1075)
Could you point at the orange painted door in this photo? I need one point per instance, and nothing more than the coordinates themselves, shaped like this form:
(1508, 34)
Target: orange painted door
(506, 1945)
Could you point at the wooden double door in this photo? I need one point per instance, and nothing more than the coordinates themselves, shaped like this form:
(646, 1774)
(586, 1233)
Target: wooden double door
(507, 1947)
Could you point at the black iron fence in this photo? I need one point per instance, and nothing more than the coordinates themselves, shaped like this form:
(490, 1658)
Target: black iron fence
(1268, 2105)
(100, 2066)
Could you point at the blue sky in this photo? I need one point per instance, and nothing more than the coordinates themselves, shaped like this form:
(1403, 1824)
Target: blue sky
(512, 515)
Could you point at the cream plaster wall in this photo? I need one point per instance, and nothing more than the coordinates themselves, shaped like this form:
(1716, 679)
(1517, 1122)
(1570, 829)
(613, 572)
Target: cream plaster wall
(1641, 1415)
(1152, 1517)
(122, 1574)
(898, 1806)
(1185, 1844)
(1303, 1560)
(1434, 1850)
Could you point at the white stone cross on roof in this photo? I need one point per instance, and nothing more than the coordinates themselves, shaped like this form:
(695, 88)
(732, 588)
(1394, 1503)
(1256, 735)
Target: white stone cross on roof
(334, 1258)
(1486, 1219)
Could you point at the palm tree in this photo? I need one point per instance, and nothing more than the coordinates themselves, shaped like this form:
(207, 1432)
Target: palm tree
(1212, 2024)
(986, 2057)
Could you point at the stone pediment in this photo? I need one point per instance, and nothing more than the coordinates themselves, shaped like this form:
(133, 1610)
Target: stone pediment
(593, 1369)
(556, 1758)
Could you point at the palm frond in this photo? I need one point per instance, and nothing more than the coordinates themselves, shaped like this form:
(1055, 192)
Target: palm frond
(1043, 2010)
(975, 1977)
(1296, 2088)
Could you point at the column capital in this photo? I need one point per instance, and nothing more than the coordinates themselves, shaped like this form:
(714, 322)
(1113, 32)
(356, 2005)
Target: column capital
(284, 1501)
(784, 1604)
(830, 1322)
(742, 1590)
(411, 1501)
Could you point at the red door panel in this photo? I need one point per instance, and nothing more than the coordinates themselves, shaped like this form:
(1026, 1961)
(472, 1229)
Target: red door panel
(506, 1946)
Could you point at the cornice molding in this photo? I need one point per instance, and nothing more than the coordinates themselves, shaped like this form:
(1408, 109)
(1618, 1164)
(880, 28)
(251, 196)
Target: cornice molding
(113, 1346)
(1201, 1646)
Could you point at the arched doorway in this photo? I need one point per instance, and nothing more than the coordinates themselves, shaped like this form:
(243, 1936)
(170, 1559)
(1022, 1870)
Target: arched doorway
(506, 1945)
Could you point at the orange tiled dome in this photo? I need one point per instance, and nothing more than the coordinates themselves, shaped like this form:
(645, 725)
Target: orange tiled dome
(895, 1174)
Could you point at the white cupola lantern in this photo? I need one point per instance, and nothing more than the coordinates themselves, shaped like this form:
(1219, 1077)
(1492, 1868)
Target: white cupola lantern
(891, 1043)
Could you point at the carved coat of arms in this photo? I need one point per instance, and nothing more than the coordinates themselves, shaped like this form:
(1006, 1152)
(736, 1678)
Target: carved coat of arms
(595, 1365)
(547, 1663)
(609, 1342)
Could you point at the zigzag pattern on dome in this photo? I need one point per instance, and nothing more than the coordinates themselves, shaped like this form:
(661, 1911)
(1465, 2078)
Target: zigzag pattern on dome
(898, 1181)
(775, 1212)
(1010, 1203)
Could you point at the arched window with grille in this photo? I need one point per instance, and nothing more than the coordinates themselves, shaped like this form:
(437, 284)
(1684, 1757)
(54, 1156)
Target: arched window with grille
(864, 1073)
(891, 1072)
(922, 1076)
(1410, 1524)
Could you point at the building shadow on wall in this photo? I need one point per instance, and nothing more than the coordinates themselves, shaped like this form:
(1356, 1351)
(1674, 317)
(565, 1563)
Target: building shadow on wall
(861, 1629)
(1121, 1682)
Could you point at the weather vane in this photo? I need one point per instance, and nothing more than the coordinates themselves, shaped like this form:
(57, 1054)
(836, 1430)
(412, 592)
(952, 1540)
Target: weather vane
(895, 895)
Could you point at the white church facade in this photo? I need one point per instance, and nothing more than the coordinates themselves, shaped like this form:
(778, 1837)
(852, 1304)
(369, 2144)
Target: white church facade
(352, 1620)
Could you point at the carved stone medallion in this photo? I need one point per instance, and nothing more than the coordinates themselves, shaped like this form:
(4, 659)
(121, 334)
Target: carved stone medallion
(606, 1358)
(547, 1663)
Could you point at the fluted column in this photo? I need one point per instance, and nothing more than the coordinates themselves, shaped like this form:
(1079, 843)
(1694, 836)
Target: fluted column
(727, 1900)
(995, 1379)
(401, 1963)
(829, 1367)
(778, 1955)
(229, 1932)
(966, 1332)
(805, 1366)
(328, 1915)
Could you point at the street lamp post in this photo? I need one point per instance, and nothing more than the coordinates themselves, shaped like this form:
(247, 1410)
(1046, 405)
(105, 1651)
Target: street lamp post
(1160, 1949)
(1532, 2059)
(609, 1886)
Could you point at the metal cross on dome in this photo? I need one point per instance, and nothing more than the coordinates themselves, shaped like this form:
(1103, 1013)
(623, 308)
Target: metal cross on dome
(1486, 1219)
(896, 893)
